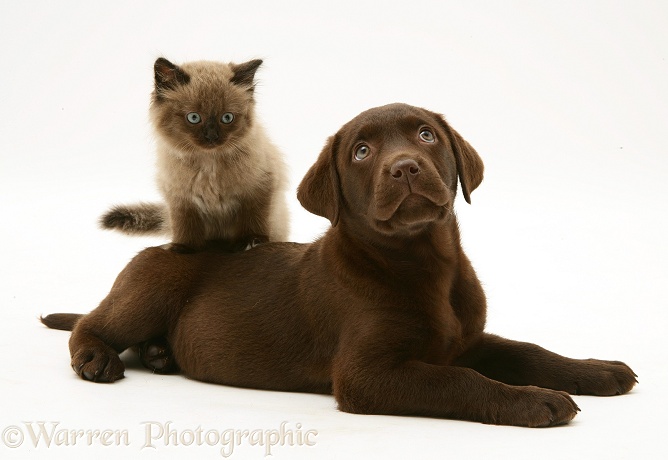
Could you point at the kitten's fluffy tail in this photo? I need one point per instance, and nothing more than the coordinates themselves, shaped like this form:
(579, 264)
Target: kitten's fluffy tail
(136, 219)
(62, 321)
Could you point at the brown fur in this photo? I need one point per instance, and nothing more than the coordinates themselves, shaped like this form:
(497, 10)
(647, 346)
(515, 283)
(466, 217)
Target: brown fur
(219, 180)
(385, 310)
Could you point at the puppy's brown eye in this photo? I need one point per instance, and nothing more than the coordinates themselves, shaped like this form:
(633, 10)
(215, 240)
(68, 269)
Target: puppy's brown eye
(362, 152)
(427, 136)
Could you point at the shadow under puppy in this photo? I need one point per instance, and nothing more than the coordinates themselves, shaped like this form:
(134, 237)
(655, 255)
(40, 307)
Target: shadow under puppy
(384, 311)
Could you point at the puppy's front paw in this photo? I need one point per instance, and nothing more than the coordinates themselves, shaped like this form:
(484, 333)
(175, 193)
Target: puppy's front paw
(602, 378)
(98, 364)
(536, 407)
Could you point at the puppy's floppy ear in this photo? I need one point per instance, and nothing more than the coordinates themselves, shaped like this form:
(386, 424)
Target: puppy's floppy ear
(320, 190)
(469, 164)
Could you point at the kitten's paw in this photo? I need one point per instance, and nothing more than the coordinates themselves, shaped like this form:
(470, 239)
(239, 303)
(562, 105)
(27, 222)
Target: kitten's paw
(156, 355)
(178, 248)
(255, 241)
(99, 364)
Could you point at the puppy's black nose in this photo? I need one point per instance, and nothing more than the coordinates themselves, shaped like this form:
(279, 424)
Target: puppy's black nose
(408, 168)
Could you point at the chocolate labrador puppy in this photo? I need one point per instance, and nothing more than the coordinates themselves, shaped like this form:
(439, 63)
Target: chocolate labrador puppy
(384, 311)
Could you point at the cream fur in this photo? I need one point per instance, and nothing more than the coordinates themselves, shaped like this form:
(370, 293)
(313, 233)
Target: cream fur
(241, 177)
(218, 181)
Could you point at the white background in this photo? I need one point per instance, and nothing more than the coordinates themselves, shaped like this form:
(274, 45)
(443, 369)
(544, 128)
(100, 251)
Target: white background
(566, 102)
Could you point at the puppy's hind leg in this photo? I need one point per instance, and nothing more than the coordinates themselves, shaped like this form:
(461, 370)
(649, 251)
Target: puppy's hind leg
(156, 355)
(92, 358)
(100, 336)
(144, 300)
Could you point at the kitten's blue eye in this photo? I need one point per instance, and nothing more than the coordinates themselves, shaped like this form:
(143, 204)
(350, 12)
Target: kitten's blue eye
(194, 118)
(227, 118)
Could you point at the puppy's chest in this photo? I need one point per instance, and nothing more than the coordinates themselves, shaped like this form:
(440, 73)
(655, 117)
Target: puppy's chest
(441, 335)
(429, 332)
(443, 340)
(432, 330)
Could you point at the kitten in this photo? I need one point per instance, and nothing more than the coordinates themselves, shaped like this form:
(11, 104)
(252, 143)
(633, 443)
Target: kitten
(218, 172)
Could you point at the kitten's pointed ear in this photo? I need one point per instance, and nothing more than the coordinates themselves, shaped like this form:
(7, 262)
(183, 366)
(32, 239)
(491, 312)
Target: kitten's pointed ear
(470, 167)
(320, 190)
(245, 73)
(168, 75)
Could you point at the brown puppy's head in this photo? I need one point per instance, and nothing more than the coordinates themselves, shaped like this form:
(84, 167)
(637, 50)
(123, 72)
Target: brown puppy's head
(393, 169)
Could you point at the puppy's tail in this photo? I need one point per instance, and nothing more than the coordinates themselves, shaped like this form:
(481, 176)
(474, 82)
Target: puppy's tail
(61, 321)
(137, 219)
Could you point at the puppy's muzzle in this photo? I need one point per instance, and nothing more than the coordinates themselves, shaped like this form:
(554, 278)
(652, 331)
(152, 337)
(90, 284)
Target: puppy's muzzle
(409, 189)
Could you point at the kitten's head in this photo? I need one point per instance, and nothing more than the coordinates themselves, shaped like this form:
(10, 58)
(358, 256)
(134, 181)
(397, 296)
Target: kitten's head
(203, 106)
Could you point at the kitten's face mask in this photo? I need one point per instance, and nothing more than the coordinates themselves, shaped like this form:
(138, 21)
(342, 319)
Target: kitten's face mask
(203, 105)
